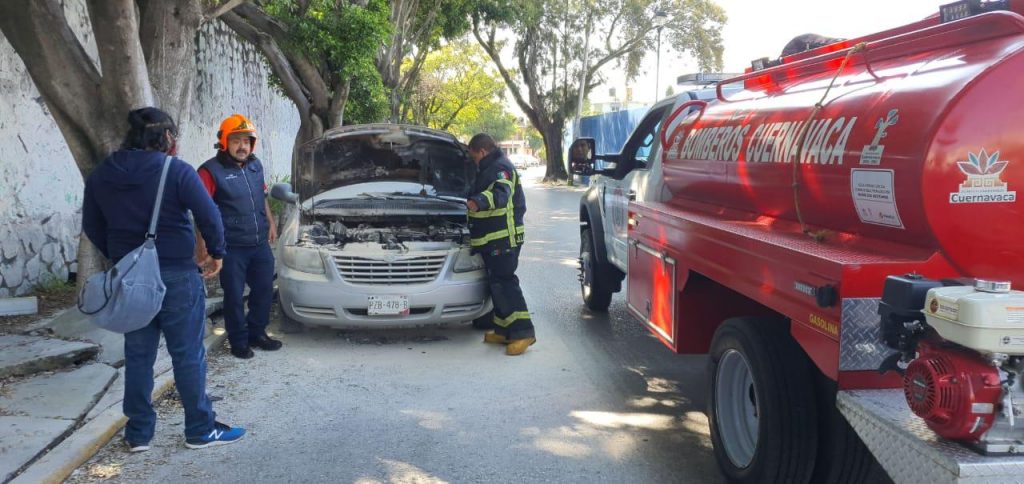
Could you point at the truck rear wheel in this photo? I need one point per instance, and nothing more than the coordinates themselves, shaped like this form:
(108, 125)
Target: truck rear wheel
(594, 278)
(842, 457)
(761, 403)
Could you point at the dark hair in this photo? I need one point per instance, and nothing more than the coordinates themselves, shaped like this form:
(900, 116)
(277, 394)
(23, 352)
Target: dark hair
(482, 141)
(147, 128)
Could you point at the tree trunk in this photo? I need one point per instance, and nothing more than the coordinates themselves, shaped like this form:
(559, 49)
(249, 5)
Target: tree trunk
(552, 134)
(168, 37)
(310, 127)
(154, 42)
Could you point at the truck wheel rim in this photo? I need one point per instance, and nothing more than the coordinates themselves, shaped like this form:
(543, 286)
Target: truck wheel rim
(736, 408)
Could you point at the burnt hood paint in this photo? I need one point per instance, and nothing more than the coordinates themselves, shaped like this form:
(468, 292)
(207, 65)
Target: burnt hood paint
(384, 152)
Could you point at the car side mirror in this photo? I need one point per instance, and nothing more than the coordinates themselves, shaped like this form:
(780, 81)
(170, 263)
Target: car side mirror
(581, 156)
(284, 193)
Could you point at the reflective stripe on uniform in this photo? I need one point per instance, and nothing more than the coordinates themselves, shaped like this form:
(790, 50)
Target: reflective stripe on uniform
(516, 316)
(515, 236)
(500, 234)
(489, 196)
(510, 217)
(498, 212)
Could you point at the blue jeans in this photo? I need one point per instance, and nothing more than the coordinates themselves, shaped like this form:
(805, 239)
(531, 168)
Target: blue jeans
(182, 322)
(253, 266)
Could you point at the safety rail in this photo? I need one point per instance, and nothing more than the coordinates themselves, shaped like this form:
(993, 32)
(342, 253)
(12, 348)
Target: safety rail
(973, 29)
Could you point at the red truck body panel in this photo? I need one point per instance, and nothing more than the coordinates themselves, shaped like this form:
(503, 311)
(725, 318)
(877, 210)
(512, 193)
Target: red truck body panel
(911, 165)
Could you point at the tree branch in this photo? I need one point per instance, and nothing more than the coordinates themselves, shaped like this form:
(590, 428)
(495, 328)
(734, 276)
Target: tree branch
(491, 50)
(167, 31)
(312, 81)
(611, 29)
(278, 61)
(62, 72)
(125, 85)
(336, 114)
(225, 7)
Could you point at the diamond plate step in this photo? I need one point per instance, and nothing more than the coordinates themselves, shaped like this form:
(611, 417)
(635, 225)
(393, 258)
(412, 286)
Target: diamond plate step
(910, 452)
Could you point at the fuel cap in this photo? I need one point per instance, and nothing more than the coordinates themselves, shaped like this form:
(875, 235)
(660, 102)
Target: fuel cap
(992, 286)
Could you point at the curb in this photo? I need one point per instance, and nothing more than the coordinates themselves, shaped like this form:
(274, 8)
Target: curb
(86, 441)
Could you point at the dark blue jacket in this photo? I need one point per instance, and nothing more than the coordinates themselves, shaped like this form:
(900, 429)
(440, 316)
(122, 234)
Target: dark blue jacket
(119, 198)
(239, 196)
(499, 195)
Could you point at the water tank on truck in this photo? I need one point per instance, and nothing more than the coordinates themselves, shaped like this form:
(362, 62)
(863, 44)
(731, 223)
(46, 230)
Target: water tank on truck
(889, 163)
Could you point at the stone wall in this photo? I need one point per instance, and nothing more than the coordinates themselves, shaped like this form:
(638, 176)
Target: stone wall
(40, 185)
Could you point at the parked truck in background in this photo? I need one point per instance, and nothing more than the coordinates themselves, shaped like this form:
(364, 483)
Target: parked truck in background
(841, 236)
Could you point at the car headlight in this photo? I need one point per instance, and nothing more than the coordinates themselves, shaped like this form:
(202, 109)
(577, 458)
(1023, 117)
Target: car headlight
(468, 262)
(303, 259)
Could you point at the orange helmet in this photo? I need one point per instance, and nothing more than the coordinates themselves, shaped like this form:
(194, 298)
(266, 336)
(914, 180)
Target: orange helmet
(234, 124)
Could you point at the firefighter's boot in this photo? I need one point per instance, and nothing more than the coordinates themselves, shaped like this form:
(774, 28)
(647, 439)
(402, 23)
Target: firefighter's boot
(495, 338)
(517, 347)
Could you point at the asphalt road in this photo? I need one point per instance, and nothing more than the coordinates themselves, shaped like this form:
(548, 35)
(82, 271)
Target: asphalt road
(595, 400)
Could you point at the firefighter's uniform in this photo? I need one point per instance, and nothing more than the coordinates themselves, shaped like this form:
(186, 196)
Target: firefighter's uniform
(497, 234)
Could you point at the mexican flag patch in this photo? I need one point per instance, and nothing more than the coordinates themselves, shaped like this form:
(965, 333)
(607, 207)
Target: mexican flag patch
(504, 175)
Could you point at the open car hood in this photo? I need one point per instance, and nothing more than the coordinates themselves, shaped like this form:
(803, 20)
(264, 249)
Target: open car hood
(384, 152)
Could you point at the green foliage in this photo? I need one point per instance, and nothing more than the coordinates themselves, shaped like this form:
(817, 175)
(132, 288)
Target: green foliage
(534, 138)
(367, 98)
(459, 92)
(491, 118)
(277, 206)
(549, 39)
(341, 41)
(51, 285)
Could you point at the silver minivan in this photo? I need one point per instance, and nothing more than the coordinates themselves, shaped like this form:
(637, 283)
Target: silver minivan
(375, 233)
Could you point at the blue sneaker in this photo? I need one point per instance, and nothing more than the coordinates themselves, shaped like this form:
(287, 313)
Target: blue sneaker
(220, 435)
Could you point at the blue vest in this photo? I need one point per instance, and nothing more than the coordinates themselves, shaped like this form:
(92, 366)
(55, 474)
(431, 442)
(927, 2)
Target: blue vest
(241, 200)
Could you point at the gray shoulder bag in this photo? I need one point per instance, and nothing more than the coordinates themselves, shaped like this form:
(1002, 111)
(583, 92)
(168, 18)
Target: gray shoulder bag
(129, 295)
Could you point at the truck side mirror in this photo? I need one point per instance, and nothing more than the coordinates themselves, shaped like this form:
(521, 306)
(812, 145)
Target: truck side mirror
(581, 156)
(284, 193)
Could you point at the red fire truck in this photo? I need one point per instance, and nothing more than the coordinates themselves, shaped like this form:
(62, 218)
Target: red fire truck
(841, 238)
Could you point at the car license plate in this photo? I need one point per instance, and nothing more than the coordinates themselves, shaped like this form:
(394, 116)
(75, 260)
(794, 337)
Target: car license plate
(387, 305)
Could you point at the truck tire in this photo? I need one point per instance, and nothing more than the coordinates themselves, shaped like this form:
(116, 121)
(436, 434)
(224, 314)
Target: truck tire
(761, 403)
(594, 278)
(842, 456)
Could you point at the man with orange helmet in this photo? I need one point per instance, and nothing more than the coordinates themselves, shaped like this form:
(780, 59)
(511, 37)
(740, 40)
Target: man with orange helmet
(235, 180)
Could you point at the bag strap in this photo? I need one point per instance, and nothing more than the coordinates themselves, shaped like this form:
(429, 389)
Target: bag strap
(151, 234)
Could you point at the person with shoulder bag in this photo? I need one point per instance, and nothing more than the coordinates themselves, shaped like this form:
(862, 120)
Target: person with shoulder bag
(136, 205)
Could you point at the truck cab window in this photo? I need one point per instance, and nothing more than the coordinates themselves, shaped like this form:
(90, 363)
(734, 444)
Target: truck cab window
(640, 146)
(643, 153)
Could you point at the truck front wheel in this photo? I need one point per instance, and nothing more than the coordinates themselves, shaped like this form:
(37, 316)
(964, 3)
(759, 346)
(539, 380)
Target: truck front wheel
(594, 284)
(761, 403)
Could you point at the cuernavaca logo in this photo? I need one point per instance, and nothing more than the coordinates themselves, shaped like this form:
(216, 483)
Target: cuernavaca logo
(983, 183)
(872, 153)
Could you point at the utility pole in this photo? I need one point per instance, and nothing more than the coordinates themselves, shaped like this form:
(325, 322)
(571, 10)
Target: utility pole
(583, 82)
(660, 19)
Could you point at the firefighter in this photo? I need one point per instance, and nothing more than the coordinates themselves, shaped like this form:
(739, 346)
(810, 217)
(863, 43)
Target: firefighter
(496, 211)
(234, 179)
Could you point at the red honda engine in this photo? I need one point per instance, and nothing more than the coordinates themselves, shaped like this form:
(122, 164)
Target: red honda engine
(953, 389)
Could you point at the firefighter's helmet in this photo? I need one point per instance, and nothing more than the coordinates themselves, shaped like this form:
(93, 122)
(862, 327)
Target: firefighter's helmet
(234, 124)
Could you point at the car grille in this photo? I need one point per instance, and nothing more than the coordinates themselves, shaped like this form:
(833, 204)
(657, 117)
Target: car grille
(415, 270)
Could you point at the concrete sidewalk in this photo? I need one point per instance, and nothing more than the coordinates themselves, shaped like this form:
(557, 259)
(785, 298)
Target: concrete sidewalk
(61, 388)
